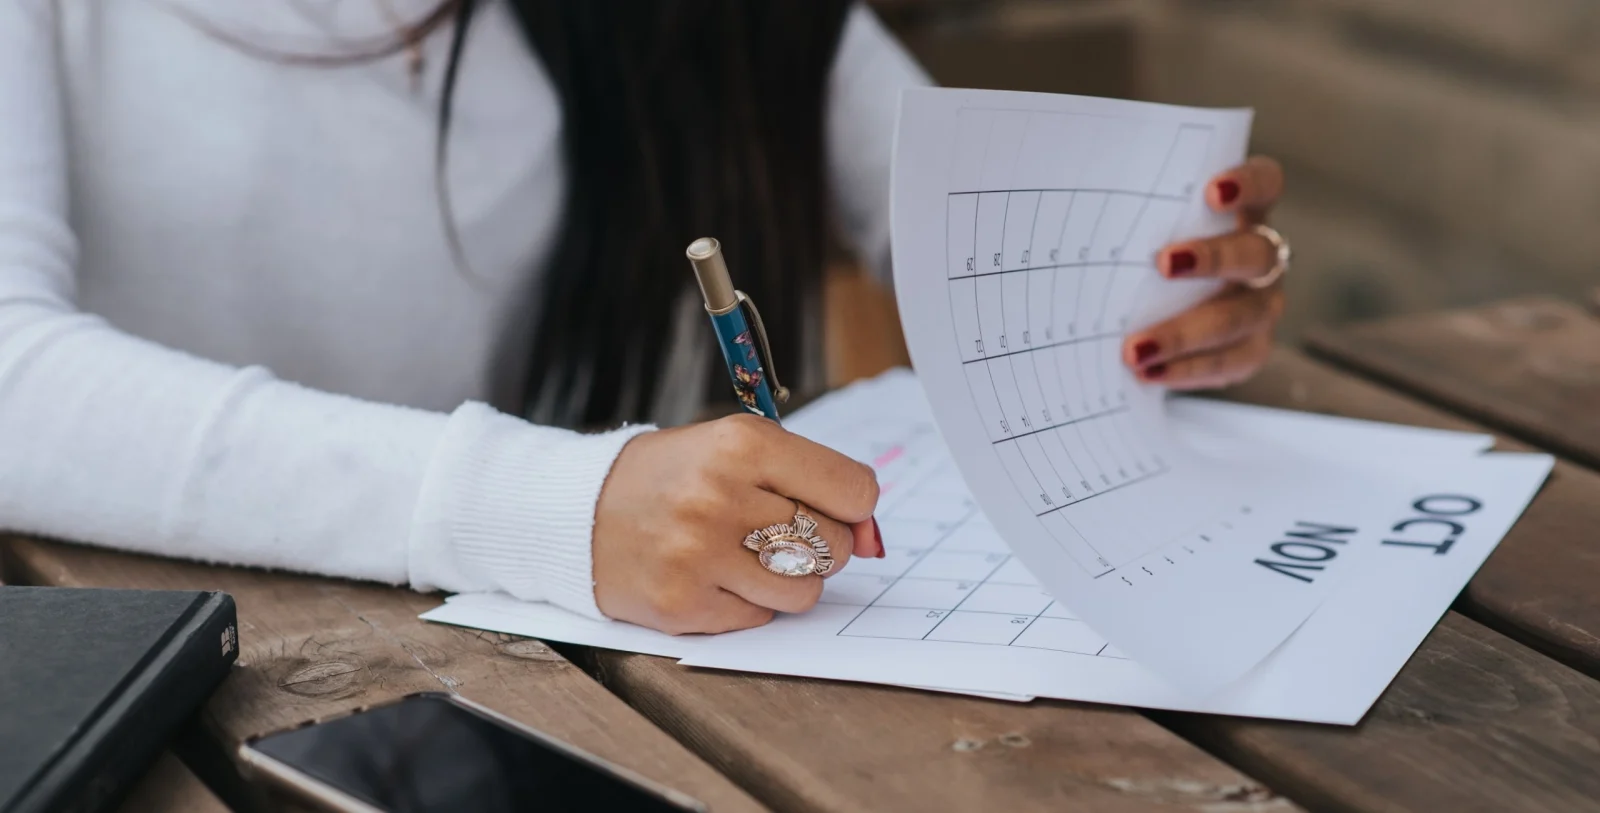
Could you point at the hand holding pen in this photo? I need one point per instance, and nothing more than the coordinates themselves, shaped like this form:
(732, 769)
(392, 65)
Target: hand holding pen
(716, 526)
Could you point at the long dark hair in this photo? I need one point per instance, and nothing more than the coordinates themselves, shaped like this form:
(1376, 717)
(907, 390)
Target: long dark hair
(682, 118)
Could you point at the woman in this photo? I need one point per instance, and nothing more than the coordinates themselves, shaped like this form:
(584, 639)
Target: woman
(408, 209)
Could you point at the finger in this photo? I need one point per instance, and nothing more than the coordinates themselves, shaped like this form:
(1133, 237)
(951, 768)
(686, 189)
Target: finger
(719, 611)
(841, 538)
(800, 469)
(743, 576)
(1239, 256)
(868, 539)
(1252, 187)
(1225, 319)
(739, 570)
(1217, 368)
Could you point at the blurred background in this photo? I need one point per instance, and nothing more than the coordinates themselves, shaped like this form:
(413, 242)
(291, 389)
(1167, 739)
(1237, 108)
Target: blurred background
(1439, 152)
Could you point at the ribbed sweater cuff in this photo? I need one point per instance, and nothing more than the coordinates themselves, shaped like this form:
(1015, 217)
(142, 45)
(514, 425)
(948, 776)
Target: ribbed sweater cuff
(509, 506)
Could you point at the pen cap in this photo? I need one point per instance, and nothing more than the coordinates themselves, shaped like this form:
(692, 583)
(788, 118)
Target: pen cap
(711, 271)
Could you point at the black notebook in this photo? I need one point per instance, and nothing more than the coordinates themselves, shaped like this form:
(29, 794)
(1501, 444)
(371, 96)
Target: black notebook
(94, 683)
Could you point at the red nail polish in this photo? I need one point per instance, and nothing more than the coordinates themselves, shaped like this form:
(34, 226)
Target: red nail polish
(1145, 350)
(1182, 262)
(877, 535)
(1155, 371)
(1227, 191)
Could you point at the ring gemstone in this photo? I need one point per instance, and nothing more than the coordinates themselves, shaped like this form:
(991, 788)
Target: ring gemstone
(792, 549)
(789, 557)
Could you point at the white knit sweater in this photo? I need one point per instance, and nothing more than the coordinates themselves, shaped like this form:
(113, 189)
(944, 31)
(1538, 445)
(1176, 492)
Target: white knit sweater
(230, 327)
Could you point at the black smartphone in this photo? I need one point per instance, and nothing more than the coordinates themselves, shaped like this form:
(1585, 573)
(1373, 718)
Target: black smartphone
(440, 752)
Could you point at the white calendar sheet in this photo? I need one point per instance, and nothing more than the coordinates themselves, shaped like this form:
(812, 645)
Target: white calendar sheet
(1025, 229)
(950, 609)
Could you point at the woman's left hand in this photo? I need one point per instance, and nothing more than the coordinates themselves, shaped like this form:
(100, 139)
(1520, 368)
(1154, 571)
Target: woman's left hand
(1227, 338)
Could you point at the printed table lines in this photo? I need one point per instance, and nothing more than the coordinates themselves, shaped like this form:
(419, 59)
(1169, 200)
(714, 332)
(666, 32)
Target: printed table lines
(1085, 190)
(1031, 348)
(1051, 267)
(977, 628)
(961, 586)
(989, 627)
(1096, 227)
(1139, 479)
(978, 582)
(985, 643)
(1061, 424)
(1081, 246)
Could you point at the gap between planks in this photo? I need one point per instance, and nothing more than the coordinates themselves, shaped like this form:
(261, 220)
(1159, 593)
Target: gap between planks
(1529, 367)
(814, 745)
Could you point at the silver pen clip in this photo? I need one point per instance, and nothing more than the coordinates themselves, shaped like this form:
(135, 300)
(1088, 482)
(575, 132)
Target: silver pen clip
(780, 393)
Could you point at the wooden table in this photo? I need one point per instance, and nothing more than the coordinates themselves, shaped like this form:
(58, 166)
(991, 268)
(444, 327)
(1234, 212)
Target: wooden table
(170, 785)
(1499, 709)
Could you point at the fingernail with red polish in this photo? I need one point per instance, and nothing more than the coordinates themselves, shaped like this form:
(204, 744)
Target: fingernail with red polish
(1227, 191)
(1155, 371)
(1181, 262)
(878, 536)
(1145, 350)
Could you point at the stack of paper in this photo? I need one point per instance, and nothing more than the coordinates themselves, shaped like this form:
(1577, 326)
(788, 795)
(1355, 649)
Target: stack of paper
(1055, 529)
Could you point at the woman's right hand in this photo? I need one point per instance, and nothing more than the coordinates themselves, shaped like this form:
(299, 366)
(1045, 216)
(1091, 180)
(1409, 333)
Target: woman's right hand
(673, 514)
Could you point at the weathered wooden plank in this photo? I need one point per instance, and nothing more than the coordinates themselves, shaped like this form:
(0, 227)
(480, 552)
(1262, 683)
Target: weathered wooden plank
(809, 745)
(311, 647)
(1538, 586)
(1399, 135)
(1529, 367)
(1474, 722)
(170, 787)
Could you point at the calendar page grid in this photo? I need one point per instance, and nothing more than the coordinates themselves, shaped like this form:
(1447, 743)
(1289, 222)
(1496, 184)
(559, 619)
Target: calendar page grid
(1043, 282)
(949, 576)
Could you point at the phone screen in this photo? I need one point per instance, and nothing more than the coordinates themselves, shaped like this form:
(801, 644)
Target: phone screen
(428, 754)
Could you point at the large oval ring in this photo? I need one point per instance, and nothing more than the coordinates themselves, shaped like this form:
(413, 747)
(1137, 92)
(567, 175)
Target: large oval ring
(1283, 255)
(792, 549)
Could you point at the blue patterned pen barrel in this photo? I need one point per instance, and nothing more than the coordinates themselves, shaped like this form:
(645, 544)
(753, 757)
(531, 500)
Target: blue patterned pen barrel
(749, 375)
(732, 313)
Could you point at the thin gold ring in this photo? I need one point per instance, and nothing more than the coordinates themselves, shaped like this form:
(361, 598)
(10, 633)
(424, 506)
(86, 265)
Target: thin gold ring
(1283, 255)
(792, 549)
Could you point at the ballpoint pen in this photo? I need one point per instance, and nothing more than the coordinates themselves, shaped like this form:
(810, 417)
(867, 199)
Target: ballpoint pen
(747, 352)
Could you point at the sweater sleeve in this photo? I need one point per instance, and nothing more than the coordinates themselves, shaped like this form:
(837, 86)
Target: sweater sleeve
(871, 69)
(112, 440)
